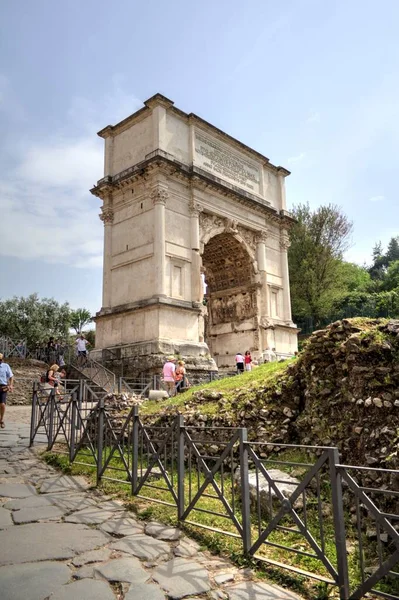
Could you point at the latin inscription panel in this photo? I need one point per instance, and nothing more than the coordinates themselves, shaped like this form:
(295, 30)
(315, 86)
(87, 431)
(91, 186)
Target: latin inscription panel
(217, 158)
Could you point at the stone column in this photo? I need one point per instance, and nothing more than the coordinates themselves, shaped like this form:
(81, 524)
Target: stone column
(284, 245)
(196, 280)
(264, 289)
(107, 217)
(281, 184)
(261, 258)
(159, 196)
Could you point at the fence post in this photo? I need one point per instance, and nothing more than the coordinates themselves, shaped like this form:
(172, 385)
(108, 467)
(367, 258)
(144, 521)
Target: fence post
(51, 401)
(135, 448)
(80, 393)
(154, 382)
(72, 440)
(339, 524)
(244, 485)
(33, 415)
(100, 438)
(119, 385)
(180, 466)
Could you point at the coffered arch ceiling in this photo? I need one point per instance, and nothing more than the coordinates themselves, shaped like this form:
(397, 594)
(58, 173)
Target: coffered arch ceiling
(227, 264)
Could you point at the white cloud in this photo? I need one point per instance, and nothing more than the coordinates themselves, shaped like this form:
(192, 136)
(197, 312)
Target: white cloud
(376, 198)
(296, 159)
(48, 213)
(313, 118)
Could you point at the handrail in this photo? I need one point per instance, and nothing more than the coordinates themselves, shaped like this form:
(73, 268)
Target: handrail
(95, 371)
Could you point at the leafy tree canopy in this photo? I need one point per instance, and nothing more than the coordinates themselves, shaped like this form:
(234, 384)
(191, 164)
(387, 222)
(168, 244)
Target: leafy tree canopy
(80, 318)
(34, 319)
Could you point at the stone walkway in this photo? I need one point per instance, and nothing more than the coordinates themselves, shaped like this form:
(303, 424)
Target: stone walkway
(60, 540)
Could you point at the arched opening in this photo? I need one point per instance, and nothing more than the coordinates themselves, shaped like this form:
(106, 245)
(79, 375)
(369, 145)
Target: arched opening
(231, 299)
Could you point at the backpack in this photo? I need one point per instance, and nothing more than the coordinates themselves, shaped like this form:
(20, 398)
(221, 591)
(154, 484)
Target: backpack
(44, 377)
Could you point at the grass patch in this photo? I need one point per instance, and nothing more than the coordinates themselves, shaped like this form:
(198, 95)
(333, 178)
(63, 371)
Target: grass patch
(249, 381)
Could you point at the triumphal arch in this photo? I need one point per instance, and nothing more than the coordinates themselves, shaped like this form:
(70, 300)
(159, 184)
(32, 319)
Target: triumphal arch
(195, 243)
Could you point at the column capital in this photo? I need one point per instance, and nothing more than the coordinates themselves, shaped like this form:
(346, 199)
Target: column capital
(159, 195)
(194, 208)
(107, 216)
(261, 237)
(285, 242)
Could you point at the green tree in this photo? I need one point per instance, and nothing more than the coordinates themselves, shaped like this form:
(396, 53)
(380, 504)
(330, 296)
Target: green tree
(393, 250)
(34, 319)
(80, 318)
(391, 280)
(318, 240)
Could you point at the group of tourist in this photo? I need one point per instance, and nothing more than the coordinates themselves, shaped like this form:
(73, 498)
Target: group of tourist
(247, 363)
(175, 376)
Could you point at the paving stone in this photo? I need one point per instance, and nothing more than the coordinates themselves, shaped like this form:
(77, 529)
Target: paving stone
(162, 532)
(32, 581)
(47, 541)
(30, 502)
(5, 518)
(142, 546)
(145, 591)
(186, 548)
(16, 490)
(91, 557)
(88, 589)
(39, 513)
(123, 569)
(87, 571)
(252, 590)
(89, 516)
(181, 577)
(75, 502)
(122, 526)
(112, 505)
(61, 483)
(222, 578)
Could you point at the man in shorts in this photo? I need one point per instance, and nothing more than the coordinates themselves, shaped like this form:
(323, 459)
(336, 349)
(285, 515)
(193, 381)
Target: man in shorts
(168, 373)
(81, 347)
(240, 363)
(6, 385)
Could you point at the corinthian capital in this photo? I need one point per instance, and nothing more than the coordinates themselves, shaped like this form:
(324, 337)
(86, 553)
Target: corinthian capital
(195, 209)
(285, 242)
(261, 237)
(159, 195)
(107, 216)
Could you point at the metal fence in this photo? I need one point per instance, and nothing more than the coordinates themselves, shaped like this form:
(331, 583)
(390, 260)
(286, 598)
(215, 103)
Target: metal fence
(294, 507)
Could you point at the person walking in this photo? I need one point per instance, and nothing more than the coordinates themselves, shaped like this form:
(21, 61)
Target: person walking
(168, 373)
(52, 380)
(81, 347)
(248, 360)
(181, 377)
(6, 385)
(239, 362)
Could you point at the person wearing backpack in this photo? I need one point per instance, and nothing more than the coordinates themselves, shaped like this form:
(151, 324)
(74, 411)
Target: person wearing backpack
(51, 381)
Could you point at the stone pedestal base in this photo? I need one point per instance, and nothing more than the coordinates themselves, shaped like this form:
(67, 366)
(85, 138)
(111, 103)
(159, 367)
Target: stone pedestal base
(133, 360)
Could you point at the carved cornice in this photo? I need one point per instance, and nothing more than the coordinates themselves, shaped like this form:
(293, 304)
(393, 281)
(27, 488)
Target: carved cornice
(159, 195)
(162, 163)
(107, 216)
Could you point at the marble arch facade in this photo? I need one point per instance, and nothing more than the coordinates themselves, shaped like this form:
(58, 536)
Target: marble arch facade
(181, 198)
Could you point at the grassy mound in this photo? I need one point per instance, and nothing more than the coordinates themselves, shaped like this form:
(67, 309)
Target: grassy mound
(342, 391)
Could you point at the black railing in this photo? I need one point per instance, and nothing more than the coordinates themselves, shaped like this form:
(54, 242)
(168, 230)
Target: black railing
(292, 506)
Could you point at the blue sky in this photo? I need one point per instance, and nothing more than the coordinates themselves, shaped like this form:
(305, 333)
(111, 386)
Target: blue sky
(313, 85)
